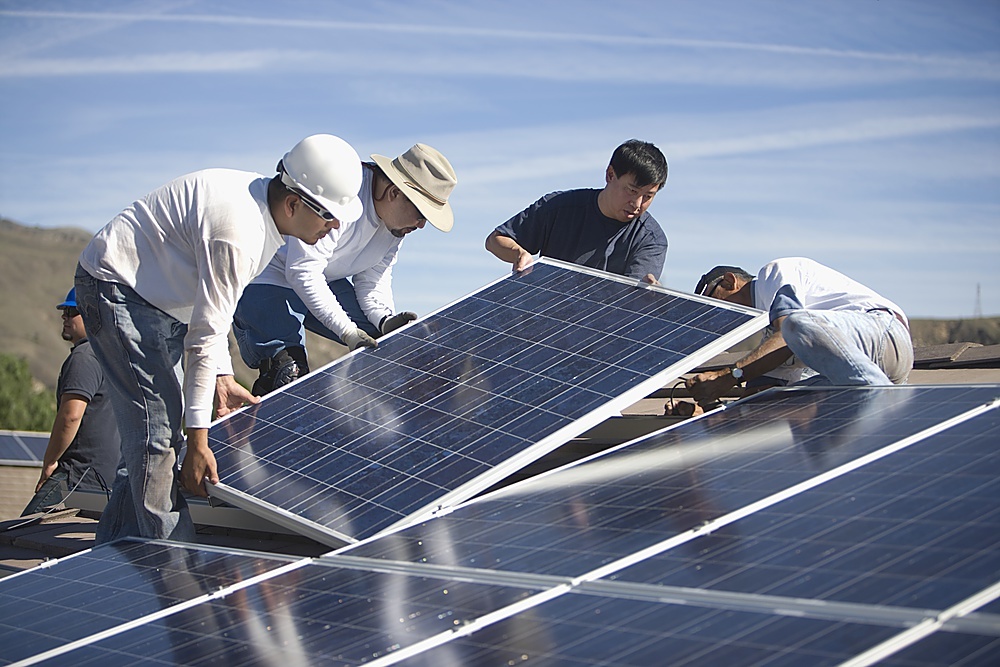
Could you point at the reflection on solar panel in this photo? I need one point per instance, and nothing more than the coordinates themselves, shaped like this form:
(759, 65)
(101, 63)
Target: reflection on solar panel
(806, 526)
(666, 484)
(915, 529)
(316, 614)
(448, 406)
(51, 606)
(22, 448)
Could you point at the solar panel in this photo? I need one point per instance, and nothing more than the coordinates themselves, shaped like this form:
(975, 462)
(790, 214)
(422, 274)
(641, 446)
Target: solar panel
(316, 614)
(63, 601)
(662, 487)
(919, 528)
(672, 596)
(22, 448)
(449, 405)
(587, 630)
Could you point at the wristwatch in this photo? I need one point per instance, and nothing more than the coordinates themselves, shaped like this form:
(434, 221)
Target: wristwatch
(737, 374)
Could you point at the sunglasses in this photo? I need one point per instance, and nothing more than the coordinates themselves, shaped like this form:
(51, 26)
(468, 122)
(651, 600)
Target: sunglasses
(314, 207)
(70, 311)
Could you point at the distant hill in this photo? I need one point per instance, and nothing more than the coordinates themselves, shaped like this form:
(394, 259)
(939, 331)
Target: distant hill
(36, 271)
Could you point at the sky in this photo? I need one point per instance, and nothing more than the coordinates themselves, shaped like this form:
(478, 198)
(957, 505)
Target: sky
(864, 134)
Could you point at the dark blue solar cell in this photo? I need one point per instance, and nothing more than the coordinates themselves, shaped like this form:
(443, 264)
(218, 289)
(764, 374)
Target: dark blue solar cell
(506, 360)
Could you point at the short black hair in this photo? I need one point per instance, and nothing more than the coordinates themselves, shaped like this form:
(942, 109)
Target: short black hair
(710, 280)
(643, 160)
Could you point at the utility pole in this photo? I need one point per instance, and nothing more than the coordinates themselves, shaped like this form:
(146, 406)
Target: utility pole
(979, 302)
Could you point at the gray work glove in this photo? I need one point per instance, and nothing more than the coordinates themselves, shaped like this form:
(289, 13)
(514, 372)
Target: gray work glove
(358, 338)
(393, 322)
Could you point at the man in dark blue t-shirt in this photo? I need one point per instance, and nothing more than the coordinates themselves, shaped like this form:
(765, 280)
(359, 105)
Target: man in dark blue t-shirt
(605, 229)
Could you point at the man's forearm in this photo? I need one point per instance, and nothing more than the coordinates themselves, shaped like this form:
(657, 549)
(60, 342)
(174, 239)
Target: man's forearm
(64, 428)
(504, 247)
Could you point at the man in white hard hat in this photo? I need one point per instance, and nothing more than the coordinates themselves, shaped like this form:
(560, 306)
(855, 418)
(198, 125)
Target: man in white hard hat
(341, 287)
(157, 287)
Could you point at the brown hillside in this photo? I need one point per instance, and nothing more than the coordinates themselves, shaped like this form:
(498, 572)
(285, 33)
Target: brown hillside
(36, 271)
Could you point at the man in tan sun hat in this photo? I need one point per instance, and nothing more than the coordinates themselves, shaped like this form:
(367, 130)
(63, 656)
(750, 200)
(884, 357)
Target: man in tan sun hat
(341, 288)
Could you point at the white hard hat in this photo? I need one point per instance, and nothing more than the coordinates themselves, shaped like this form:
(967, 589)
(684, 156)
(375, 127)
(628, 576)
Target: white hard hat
(328, 170)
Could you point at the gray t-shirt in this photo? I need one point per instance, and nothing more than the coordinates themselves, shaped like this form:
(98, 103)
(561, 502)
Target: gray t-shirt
(96, 443)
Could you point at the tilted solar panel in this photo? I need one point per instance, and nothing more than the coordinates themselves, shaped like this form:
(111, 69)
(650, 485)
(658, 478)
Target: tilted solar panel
(449, 405)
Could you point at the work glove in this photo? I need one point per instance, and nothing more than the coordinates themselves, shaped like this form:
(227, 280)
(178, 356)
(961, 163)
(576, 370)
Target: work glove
(358, 338)
(393, 322)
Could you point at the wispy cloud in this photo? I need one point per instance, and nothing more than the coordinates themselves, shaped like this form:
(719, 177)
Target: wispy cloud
(616, 39)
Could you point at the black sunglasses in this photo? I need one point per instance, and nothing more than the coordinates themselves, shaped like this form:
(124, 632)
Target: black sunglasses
(70, 311)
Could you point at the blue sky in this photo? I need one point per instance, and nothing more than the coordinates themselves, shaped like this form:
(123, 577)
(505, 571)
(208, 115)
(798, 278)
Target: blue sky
(862, 133)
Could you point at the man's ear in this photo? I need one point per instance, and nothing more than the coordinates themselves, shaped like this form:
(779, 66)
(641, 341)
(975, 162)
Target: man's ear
(288, 203)
(729, 280)
(609, 174)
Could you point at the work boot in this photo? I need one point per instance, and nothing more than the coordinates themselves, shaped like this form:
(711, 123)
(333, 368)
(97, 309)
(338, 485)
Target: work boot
(281, 369)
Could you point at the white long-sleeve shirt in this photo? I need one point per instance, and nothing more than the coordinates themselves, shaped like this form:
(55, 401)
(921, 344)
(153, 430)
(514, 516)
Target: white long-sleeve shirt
(190, 248)
(364, 251)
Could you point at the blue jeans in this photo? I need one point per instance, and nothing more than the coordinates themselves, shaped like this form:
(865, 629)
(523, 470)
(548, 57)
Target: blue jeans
(270, 318)
(140, 349)
(850, 347)
(54, 490)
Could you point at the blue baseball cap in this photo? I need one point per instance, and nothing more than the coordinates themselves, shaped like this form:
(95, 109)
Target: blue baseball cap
(70, 301)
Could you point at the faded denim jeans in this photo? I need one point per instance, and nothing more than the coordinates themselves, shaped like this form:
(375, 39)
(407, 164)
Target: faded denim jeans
(54, 490)
(850, 347)
(270, 319)
(140, 349)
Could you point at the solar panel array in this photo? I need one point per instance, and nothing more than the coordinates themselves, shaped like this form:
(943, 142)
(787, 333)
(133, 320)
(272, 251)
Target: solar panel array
(22, 448)
(802, 526)
(447, 406)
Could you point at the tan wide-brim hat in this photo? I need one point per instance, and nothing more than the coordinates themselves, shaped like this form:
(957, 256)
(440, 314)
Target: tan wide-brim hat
(427, 179)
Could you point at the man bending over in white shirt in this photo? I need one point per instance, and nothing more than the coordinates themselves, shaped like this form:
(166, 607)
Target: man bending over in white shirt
(341, 287)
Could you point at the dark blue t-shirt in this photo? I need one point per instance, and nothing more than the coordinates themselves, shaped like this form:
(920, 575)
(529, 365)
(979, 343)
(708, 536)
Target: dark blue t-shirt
(96, 443)
(570, 226)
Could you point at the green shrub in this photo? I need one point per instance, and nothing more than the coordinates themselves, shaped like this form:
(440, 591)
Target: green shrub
(22, 407)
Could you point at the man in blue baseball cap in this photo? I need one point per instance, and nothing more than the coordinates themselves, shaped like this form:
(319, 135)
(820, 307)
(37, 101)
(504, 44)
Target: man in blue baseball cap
(84, 448)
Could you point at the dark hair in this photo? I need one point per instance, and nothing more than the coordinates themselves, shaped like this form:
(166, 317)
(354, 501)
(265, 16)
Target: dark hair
(643, 160)
(709, 281)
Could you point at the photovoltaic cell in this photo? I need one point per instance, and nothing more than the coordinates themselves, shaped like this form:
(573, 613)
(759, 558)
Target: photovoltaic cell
(919, 528)
(22, 447)
(582, 517)
(449, 405)
(76, 597)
